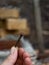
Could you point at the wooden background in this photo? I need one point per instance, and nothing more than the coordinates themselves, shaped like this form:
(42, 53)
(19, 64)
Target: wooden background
(27, 11)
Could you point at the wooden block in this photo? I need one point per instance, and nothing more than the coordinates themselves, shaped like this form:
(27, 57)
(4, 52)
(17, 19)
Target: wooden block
(2, 33)
(7, 12)
(1, 24)
(20, 25)
(24, 32)
(7, 44)
(18, 32)
(16, 24)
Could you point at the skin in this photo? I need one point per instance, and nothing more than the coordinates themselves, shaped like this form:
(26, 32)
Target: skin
(17, 57)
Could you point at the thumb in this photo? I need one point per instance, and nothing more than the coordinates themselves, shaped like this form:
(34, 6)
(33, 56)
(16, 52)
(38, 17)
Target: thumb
(11, 59)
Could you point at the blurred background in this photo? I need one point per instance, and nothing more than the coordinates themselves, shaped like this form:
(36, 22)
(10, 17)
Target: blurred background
(29, 18)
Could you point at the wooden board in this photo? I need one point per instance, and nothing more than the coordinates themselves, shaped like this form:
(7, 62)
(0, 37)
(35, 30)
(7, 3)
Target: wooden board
(16, 24)
(2, 33)
(24, 32)
(15, 32)
(7, 12)
(7, 44)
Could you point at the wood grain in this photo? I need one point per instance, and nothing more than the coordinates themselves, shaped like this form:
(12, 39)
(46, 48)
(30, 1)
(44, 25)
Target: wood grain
(7, 12)
(16, 24)
(7, 44)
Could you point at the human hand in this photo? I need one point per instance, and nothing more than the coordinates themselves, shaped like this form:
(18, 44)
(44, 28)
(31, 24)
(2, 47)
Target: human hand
(17, 57)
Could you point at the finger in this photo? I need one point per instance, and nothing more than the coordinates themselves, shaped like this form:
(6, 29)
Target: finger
(11, 59)
(25, 55)
(19, 62)
(27, 61)
(21, 52)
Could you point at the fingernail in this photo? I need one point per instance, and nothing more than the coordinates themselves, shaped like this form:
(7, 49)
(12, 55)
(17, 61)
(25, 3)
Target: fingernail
(13, 50)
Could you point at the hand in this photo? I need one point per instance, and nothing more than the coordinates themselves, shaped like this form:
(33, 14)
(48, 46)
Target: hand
(17, 57)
